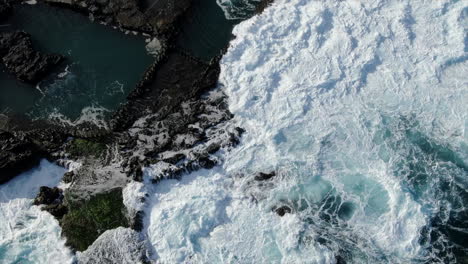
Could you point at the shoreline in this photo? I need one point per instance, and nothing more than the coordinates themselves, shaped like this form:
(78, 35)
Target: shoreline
(182, 137)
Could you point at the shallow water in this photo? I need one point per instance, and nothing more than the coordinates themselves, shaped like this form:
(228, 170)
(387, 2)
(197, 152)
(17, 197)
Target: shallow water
(96, 73)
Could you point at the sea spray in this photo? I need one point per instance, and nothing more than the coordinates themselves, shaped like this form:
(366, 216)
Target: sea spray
(27, 234)
(360, 108)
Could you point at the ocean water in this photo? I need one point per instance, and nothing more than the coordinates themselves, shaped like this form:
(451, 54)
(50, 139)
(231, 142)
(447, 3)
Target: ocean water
(27, 234)
(95, 78)
(361, 109)
(207, 28)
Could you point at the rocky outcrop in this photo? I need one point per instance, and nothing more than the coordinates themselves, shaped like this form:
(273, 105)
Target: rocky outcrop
(264, 176)
(171, 118)
(87, 219)
(24, 142)
(48, 196)
(52, 199)
(17, 154)
(20, 59)
(153, 17)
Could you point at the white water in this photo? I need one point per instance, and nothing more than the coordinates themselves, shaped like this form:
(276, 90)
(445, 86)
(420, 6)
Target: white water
(237, 9)
(337, 96)
(27, 234)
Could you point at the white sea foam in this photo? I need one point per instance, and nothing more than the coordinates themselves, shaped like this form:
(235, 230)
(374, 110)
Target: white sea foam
(237, 9)
(120, 245)
(327, 92)
(27, 234)
(93, 114)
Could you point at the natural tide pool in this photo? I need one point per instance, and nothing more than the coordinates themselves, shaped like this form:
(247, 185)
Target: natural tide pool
(102, 64)
(207, 29)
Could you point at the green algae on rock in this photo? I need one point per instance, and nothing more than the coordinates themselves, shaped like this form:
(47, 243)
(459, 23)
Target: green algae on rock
(87, 220)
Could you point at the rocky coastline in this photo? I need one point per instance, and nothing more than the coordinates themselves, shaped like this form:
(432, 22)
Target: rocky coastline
(174, 119)
(21, 60)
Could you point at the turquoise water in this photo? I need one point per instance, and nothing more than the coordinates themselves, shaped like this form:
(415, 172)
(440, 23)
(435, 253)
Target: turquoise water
(102, 65)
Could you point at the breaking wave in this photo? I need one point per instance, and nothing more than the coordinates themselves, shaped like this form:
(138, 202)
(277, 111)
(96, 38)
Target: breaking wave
(237, 9)
(360, 109)
(27, 234)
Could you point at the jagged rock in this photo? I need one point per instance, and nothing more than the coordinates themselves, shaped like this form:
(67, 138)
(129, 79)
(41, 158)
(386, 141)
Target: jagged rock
(52, 199)
(17, 154)
(48, 196)
(68, 177)
(57, 210)
(22, 60)
(87, 219)
(282, 210)
(264, 176)
(137, 221)
(157, 18)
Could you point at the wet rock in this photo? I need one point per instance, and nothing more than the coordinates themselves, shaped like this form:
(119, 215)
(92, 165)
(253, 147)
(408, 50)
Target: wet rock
(206, 162)
(174, 159)
(87, 220)
(68, 177)
(340, 260)
(48, 196)
(20, 59)
(17, 154)
(281, 211)
(137, 222)
(264, 176)
(52, 199)
(57, 210)
(157, 18)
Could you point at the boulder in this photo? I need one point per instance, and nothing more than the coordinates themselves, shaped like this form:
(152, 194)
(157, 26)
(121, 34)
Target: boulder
(264, 176)
(282, 210)
(20, 59)
(48, 196)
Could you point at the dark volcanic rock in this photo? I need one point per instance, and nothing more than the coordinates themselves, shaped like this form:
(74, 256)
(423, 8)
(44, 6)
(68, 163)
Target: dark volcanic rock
(264, 176)
(48, 196)
(52, 198)
(87, 220)
(5, 10)
(165, 86)
(19, 57)
(158, 17)
(68, 177)
(17, 154)
(281, 211)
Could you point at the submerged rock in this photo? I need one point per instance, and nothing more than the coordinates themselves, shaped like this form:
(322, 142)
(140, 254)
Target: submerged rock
(19, 57)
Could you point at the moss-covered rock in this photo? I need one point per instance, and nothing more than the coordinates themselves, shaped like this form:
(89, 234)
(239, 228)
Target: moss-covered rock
(87, 220)
(85, 148)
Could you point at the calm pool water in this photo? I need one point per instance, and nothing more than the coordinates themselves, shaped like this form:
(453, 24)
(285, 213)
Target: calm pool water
(102, 65)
